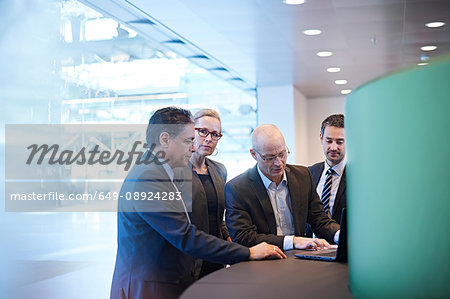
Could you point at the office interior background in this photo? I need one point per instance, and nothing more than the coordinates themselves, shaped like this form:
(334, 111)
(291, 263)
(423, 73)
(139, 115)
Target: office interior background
(254, 61)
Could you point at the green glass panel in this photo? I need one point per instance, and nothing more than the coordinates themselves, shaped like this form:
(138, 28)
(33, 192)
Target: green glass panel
(398, 180)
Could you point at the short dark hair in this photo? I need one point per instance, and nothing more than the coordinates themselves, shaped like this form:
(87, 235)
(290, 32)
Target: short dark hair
(334, 120)
(170, 116)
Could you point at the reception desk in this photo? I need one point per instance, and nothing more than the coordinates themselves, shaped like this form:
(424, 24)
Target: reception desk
(276, 279)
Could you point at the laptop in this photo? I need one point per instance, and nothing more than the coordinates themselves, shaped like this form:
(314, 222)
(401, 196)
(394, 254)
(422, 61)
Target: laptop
(338, 254)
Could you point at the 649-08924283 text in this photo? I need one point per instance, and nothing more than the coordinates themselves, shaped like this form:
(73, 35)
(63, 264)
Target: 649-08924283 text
(58, 196)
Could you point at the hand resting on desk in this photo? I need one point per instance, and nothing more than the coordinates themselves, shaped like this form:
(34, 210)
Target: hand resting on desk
(264, 250)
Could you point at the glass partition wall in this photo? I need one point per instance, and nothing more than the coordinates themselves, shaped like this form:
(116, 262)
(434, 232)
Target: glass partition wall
(110, 74)
(66, 63)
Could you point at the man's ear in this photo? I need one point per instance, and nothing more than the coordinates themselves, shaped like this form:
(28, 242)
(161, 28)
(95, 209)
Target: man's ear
(321, 137)
(252, 152)
(164, 139)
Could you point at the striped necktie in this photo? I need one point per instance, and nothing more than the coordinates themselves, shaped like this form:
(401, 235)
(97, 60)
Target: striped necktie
(326, 193)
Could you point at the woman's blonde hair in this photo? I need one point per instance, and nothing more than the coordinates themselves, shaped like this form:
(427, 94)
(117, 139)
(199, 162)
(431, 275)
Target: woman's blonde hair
(207, 112)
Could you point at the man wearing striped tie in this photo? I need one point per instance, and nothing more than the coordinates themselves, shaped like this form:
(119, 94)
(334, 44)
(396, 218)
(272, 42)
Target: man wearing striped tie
(329, 176)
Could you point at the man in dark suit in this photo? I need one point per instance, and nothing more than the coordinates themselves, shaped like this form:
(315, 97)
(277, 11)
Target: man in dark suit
(273, 201)
(157, 243)
(332, 138)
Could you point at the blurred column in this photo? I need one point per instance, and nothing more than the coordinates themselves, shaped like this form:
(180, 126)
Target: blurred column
(398, 172)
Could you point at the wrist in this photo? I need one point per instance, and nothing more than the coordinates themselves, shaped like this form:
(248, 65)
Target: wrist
(297, 242)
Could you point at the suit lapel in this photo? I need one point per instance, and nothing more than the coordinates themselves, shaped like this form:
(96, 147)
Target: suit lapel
(179, 183)
(263, 197)
(340, 192)
(218, 186)
(294, 194)
(199, 204)
(318, 174)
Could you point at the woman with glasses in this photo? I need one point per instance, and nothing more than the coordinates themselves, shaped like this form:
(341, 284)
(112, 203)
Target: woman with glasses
(208, 183)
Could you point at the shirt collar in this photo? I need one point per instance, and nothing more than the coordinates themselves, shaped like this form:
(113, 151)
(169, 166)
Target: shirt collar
(338, 168)
(266, 181)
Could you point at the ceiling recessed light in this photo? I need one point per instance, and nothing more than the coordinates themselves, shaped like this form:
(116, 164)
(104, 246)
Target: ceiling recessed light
(428, 48)
(312, 32)
(340, 82)
(333, 69)
(324, 54)
(293, 2)
(435, 24)
(346, 91)
(423, 63)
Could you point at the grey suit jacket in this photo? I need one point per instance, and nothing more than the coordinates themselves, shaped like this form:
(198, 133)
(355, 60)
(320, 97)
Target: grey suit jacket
(340, 201)
(249, 214)
(156, 250)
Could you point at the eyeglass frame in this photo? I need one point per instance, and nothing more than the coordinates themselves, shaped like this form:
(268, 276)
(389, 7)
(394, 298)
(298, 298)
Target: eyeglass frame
(273, 157)
(213, 137)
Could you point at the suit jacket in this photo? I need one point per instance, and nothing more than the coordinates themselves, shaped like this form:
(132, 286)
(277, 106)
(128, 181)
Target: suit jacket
(218, 174)
(340, 201)
(249, 213)
(156, 250)
(200, 219)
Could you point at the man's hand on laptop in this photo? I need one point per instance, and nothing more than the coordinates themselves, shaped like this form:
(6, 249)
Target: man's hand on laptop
(310, 244)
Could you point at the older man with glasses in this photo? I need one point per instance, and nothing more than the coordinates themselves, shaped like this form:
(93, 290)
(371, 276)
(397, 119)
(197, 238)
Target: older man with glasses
(273, 201)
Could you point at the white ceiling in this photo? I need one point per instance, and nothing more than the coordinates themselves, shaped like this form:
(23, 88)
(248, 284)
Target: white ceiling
(262, 40)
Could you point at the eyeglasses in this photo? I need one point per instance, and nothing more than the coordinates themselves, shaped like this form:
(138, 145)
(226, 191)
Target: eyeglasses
(202, 132)
(269, 159)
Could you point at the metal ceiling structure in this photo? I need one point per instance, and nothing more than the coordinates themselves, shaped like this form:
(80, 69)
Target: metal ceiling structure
(261, 42)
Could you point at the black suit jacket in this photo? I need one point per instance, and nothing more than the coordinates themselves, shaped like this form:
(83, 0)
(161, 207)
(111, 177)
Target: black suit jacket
(249, 213)
(156, 250)
(218, 174)
(200, 218)
(340, 201)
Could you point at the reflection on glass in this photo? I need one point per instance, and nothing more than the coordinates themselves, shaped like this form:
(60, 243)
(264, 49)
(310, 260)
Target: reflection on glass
(63, 62)
(113, 75)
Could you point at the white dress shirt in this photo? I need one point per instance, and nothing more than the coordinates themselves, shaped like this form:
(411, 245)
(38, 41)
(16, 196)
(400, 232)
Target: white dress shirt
(282, 208)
